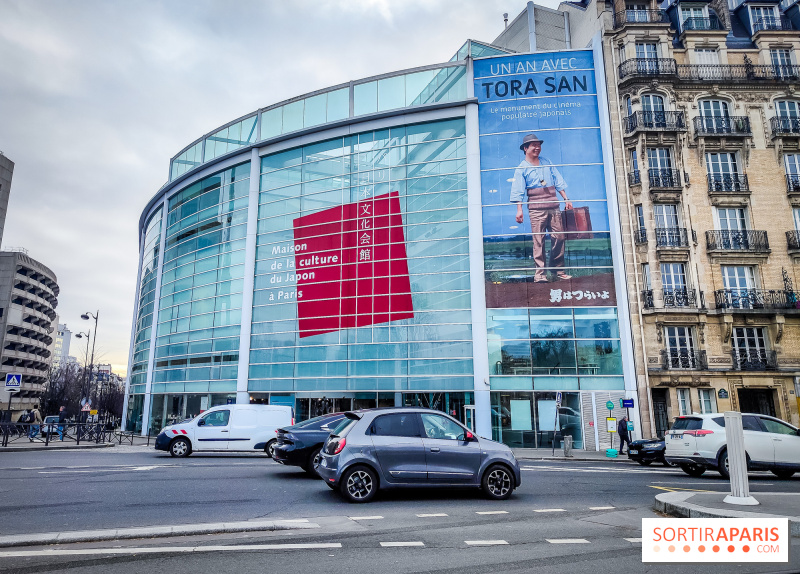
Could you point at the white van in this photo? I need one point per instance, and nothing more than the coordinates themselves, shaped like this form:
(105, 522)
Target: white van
(227, 427)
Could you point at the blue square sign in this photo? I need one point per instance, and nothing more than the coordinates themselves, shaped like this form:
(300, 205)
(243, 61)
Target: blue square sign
(13, 382)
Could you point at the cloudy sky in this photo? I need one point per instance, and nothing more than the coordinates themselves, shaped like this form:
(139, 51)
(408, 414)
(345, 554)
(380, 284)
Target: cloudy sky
(97, 95)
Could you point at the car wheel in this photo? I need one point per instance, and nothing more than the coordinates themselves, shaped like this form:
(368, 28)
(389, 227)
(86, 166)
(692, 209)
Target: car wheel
(269, 450)
(723, 466)
(693, 469)
(645, 462)
(313, 462)
(180, 448)
(358, 484)
(497, 483)
(783, 474)
(671, 464)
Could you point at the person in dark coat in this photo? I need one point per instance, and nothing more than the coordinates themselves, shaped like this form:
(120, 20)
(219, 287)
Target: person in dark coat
(622, 431)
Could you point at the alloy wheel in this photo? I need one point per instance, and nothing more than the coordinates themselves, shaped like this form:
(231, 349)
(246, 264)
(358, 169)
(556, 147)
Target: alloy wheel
(499, 482)
(359, 484)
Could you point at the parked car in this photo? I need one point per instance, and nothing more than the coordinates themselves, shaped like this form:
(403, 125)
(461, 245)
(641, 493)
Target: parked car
(300, 444)
(413, 447)
(227, 427)
(698, 442)
(49, 425)
(647, 451)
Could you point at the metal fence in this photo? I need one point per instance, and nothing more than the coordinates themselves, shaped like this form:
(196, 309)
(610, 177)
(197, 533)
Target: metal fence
(77, 433)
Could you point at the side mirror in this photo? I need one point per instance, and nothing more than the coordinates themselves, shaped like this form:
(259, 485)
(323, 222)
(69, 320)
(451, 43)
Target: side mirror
(201, 423)
(469, 437)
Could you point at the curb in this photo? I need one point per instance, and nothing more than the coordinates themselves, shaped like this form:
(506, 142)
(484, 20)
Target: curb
(55, 448)
(674, 503)
(153, 532)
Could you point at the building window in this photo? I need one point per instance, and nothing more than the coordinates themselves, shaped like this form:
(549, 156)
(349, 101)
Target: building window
(787, 109)
(628, 105)
(692, 11)
(660, 171)
(739, 277)
(680, 348)
(708, 401)
(666, 215)
(646, 276)
(707, 56)
(714, 116)
(723, 171)
(636, 12)
(750, 347)
(684, 403)
(674, 285)
(781, 59)
(653, 111)
(646, 50)
(763, 18)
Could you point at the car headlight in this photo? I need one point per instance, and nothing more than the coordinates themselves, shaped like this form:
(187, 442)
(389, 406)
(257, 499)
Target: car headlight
(651, 445)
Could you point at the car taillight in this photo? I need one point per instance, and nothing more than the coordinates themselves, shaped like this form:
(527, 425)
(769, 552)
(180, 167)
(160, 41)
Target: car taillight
(340, 445)
(292, 421)
(696, 433)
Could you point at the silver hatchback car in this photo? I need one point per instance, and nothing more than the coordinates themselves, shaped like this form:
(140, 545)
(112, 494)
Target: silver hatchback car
(413, 447)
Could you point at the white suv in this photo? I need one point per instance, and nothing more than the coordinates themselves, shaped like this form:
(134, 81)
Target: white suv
(697, 442)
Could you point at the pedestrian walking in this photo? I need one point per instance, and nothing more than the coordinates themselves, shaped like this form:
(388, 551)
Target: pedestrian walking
(35, 419)
(622, 431)
(62, 420)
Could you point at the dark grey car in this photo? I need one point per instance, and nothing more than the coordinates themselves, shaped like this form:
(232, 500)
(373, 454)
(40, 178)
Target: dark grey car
(413, 447)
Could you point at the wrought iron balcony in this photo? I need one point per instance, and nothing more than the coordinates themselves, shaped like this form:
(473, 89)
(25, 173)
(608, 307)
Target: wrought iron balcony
(772, 23)
(710, 23)
(655, 121)
(754, 360)
(737, 240)
(647, 299)
(722, 126)
(793, 183)
(640, 17)
(640, 236)
(793, 239)
(724, 72)
(672, 237)
(785, 126)
(647, 67)
(728, 182)
(634, 177)
(754, 299)
(681, 297)
(683, 360)
(664, 178)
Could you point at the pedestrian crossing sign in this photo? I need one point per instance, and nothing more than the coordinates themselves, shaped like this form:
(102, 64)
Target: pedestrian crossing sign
(13, 382)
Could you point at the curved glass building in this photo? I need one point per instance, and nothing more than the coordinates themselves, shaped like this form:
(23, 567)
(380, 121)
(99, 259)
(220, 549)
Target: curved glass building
(356, 247)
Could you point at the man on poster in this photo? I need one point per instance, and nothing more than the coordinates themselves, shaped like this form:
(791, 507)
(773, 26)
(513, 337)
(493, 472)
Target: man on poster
(537, 180)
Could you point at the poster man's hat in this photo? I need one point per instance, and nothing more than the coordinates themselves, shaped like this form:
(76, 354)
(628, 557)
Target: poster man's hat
(530, 138)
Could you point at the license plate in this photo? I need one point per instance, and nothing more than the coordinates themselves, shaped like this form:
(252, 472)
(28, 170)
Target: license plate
(634, 452)
(677, 436)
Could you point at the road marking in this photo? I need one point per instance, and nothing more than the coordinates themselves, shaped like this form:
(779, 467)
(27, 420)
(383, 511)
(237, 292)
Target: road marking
(294, 520)
(493, 512)
(634, 540)
(567, 541)
(674, 488)
(365, 517)
(597, 470)
(601, 508)
(549, 510)
(485, 542)
(400, 544)
(166, 550)
(431, 515)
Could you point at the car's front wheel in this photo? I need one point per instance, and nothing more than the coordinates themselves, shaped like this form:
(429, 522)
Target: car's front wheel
(783, 474)
(498, 482)
(358, 484)
(180, 448)
(693, 469)
(269, 450)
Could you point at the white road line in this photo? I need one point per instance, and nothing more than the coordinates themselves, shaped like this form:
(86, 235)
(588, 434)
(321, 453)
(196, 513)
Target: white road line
(567, 541)
(431, 515)
(601, 508)
(165, 550)
(634, 540)
(493, 512)
(400, 544)
(549, 510)
(485, 542)
(365, 517)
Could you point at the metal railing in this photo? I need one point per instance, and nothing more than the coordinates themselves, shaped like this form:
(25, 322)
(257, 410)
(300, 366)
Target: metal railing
(647, 299)
(781, 126)
(660, 178)
(647, 67)
(672, 237)
(793, 183)
(754, 360)
(772, 23)
(722, 125)
(754, 299)
(681, 297)
(730, 182)
(683, 359)
(640, 236)
(754, 241)
(634, 177)
(728, 72)
(793, 239)
(640, 17)
(45, 433)
(655, 120)
(710, 23)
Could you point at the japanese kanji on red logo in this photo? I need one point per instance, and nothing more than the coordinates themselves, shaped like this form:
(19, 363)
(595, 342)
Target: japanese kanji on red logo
(351, 266)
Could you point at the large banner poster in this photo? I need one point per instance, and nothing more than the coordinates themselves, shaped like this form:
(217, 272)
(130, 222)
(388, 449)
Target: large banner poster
(546, 233)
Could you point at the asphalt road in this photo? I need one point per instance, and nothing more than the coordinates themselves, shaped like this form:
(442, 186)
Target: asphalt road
(567, 516)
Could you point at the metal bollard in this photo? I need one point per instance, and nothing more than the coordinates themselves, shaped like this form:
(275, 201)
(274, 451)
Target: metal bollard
(737, 461)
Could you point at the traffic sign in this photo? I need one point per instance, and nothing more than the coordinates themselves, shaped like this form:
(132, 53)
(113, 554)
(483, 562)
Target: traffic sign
(610, 406)
(86, 408)
(13, 382)
(93, 412)
(558, 399)
(626, 403)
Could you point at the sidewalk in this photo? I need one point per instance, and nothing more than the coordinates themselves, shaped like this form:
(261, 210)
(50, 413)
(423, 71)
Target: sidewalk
(711, 505)
(575, 455)
(39, 445)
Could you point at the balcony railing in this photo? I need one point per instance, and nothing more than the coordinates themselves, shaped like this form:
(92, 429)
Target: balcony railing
(680, 297)
(793, 239)
(754, 360)
(722, 125)
(754, 299)
(724, 72)
(785, 126)
(728, 182)
(647, 299)
(683, 359)
(647, 67)
(640, 17)
(710, 23)
(672, 237)
(664, 178)
(640, 236)
(737, 240)
(655, 121)
(634, 177)
(793, 183)
(772, 23)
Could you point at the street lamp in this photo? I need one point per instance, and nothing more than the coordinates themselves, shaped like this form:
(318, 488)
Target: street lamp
(86, 316)
(86, 390)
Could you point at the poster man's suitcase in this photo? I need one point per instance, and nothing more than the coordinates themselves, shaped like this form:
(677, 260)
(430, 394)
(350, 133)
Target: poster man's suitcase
(577, 223)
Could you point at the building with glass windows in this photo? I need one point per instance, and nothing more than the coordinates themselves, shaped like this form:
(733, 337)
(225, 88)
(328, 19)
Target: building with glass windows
(384, 242)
